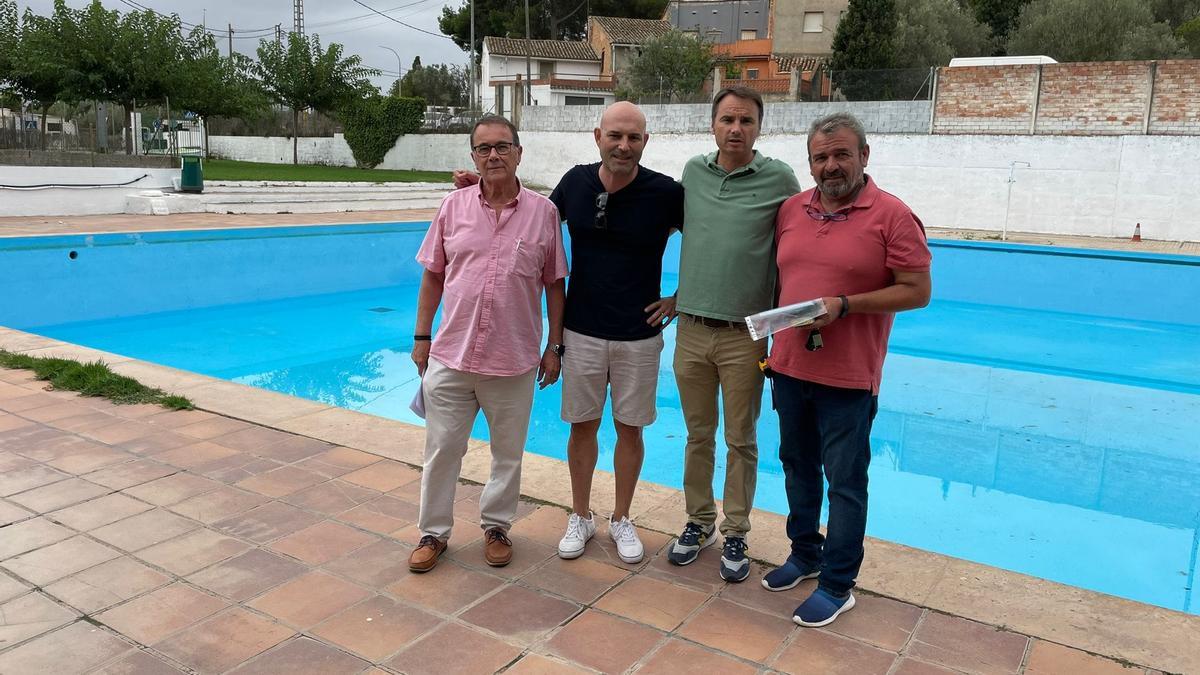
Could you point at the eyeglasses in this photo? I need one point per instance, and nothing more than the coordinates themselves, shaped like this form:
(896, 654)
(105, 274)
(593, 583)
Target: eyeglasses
(602, 211)
(836, 217)
(485, 150)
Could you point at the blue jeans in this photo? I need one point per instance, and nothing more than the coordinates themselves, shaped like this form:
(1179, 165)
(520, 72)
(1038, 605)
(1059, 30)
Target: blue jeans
(826, 430)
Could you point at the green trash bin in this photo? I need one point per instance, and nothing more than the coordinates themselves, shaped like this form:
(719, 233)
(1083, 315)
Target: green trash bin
(192, 176)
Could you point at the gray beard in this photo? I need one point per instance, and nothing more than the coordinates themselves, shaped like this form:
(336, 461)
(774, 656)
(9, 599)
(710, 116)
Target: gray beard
(844, 188)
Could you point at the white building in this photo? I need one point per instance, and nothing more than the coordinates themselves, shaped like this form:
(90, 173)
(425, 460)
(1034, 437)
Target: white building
(562, 73)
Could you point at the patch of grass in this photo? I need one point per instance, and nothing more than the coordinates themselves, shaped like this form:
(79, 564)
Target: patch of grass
(227, 169)
(92, 379)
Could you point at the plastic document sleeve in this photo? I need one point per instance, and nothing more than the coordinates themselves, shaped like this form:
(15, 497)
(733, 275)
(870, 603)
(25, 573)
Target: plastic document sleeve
(791, 316)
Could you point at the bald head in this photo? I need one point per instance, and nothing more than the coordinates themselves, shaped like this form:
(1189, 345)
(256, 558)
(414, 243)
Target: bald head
(621, 138)
(623, 113)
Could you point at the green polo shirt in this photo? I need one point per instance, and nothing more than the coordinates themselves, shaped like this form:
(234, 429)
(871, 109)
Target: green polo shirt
(727, 259)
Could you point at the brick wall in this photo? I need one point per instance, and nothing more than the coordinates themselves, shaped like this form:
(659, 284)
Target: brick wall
(1108, 98)
(1094, 98)
(1176, 98)
(985, 100)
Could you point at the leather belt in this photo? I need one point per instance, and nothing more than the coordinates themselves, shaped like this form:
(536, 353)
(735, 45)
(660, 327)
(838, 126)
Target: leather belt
(715, 323)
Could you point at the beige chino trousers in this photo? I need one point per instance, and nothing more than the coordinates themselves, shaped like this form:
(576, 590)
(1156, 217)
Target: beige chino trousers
(453, 399)
(712, 362)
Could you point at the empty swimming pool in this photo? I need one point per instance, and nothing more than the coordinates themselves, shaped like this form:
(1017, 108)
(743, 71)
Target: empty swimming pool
(1041, 415)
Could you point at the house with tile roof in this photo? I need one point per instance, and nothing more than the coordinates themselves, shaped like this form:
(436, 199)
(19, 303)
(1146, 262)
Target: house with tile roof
(617, 40)
(560, 72)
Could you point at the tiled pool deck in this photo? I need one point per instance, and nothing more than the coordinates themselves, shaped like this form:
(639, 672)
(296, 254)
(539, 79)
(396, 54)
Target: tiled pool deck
(265, 533)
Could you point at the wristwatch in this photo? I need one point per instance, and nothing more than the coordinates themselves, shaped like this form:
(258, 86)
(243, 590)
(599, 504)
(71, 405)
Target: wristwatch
(558, 350)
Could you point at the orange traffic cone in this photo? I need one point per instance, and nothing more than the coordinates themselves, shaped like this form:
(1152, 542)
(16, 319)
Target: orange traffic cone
(1137, 232)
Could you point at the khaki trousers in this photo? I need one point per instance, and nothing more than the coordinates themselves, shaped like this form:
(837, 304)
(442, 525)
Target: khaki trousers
(452, 402)
(711, 362)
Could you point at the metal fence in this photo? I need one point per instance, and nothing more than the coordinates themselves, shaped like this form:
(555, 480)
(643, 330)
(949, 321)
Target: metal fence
(899, 84)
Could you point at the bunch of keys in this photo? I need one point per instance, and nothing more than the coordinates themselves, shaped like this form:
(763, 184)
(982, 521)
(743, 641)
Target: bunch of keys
(814, 340)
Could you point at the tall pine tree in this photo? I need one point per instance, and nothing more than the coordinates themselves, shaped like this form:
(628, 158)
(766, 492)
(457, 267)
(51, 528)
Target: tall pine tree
(864, 36)
(864, 42)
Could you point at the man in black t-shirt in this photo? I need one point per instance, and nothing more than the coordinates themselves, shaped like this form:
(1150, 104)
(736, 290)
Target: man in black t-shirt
(619, 215)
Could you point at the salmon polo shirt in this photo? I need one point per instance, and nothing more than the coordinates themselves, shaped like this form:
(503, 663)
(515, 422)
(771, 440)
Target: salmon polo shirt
(496, 270)
(826, 258)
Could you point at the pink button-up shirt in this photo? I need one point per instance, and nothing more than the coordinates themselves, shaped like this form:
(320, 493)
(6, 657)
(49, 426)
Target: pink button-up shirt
(496, 270)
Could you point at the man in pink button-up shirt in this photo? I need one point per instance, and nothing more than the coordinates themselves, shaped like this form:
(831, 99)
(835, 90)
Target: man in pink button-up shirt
(490, 251)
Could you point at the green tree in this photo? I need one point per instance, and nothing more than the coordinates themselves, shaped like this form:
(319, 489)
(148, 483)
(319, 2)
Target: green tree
(548, 19)
(439, 84)
(1189, 35)
(1079, 30)
(1175, 12)
(130, 58)
(668, 65)
(37, 67)
(865, 36)
(217, 85)
(302, 75)
(931, 32)
(1000, 15)
(9, 39)
(864, 42)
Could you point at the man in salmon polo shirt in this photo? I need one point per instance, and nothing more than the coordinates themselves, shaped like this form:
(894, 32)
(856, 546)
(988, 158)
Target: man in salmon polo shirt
(490, 251)
(863, 252)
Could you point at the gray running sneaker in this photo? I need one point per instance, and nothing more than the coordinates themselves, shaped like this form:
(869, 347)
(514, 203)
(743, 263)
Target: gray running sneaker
(735, 566)
(687, 547)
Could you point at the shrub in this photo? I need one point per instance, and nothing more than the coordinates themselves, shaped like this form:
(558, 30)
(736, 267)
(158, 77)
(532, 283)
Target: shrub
(373, 124)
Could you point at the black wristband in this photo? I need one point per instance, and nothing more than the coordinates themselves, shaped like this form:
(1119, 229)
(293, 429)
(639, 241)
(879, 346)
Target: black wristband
(845, 306)
(422, 338)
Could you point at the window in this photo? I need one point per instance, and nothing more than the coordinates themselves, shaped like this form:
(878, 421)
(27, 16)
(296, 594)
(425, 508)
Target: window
(545, 69)
(694, 34)
(584, 100)
(814, 22)
(749, 35)
(752, 73)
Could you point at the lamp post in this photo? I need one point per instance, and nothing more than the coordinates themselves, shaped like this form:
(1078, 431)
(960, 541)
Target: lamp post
(1012, 178)
(399, 69)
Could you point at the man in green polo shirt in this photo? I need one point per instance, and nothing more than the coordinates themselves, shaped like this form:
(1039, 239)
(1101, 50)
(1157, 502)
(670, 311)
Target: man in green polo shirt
(726, 272)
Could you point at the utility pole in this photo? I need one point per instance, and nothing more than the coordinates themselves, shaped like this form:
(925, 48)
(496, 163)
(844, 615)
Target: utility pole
(230, 41)
(298, 16)
(528, 51)
(472, 54)
(279, 33)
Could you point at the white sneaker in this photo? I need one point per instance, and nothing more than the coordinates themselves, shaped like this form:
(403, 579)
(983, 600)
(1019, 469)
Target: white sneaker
(579, 530)
(629, 547)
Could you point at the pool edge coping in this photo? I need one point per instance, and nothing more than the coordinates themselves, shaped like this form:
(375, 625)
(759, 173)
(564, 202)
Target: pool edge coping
(1117, 628)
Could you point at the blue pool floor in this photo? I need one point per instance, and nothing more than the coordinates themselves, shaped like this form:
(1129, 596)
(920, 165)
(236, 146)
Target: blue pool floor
(1055, 445)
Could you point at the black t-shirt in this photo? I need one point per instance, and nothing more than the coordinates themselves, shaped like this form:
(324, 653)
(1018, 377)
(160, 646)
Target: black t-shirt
(616, 270)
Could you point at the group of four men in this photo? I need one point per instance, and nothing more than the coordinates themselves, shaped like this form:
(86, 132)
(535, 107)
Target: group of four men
(751, 241)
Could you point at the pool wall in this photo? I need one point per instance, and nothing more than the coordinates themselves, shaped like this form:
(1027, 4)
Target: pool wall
(111, 275)
(121, 275)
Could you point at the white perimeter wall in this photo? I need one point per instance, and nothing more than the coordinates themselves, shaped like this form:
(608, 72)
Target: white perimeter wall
(1089, 185)
(75, 201)
(1096, 186)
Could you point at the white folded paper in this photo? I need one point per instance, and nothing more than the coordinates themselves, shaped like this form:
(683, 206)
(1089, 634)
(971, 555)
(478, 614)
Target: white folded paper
(418, 402)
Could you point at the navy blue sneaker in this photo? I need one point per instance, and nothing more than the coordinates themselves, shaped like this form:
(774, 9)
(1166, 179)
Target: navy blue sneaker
(821, 608)
(687, 546)
(735, 566)
(787, 576)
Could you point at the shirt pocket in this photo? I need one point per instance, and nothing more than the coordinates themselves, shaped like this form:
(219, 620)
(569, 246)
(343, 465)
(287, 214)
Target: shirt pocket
(525, 259)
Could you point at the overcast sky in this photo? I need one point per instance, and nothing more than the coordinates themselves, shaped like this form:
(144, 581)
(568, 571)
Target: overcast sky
(343, 21)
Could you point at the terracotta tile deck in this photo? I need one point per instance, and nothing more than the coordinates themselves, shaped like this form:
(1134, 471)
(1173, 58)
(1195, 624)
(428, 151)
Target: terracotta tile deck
(160, 564)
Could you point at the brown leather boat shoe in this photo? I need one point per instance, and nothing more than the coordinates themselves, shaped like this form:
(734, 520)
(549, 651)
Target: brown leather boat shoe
(497, 548)
(426, 555)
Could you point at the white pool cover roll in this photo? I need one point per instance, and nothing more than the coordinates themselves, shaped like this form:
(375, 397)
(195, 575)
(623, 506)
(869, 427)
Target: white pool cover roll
(790, 316)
